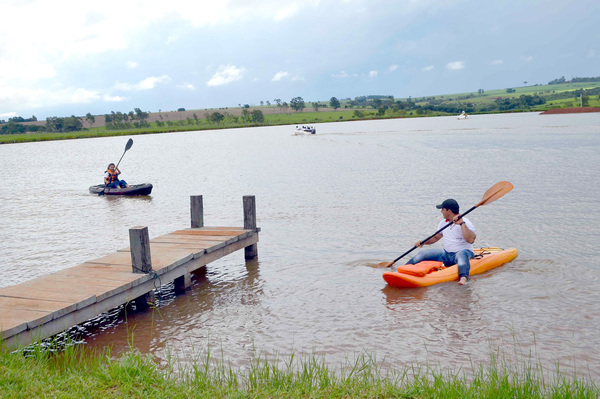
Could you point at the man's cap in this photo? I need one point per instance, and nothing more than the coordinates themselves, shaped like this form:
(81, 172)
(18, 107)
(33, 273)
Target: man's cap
(449, 204)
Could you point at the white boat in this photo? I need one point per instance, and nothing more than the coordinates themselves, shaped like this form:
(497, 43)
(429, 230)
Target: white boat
(463, 115)
(301, 130)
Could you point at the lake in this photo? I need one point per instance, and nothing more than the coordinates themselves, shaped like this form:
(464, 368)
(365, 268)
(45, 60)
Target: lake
(329, 206)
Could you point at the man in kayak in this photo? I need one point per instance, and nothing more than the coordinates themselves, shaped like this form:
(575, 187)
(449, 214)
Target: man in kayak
(458, 242)
(111, 177)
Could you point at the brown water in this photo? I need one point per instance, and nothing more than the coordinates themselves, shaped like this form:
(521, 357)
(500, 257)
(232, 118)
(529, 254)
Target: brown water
(329, 205)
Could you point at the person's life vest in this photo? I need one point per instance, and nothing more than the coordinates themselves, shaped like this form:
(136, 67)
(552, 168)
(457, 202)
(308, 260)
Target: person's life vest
(112, 176)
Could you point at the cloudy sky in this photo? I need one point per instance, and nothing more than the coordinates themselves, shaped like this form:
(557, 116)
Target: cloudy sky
(71, 57)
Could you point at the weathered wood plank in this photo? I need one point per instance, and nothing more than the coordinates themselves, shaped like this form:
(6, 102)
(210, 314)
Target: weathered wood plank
(191, 232)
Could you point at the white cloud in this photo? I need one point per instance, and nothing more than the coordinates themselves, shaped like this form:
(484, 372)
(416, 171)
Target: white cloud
(527, 58)
(392, 68)
(146, 84)
(34, 98)
(7, 115)
(373, 74)
(591, 54)
(225, 75)
(280, 75)
(344, 75)
(187, 86)
(455, 65)
(286, 12)
(428, 68)
(131, 64)
(497, 62)
(115, 99)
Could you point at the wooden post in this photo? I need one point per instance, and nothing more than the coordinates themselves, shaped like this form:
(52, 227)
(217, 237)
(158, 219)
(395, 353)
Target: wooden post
(197, 211)
(251, 251)
(142, 303)
(139, 243)
(182, 283)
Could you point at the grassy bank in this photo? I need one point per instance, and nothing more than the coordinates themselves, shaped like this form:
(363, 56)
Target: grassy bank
(564, 95)
(185, 125)
(76, 372)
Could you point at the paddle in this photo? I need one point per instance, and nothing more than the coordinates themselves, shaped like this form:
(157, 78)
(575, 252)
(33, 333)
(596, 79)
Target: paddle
(127, 147)
(492, 194)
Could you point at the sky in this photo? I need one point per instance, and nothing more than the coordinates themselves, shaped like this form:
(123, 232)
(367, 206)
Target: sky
(73, 57)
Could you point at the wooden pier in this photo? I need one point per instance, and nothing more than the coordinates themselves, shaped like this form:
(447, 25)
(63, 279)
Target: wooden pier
(51, 304)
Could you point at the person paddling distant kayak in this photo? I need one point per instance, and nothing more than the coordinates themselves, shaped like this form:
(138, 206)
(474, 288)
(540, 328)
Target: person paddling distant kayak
(458, 242)
(111, 177)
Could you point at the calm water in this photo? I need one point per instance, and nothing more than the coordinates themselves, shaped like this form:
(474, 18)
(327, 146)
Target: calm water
(329, 205)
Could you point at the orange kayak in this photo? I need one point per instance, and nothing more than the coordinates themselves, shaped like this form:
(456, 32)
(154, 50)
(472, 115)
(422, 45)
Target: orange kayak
(428, 273)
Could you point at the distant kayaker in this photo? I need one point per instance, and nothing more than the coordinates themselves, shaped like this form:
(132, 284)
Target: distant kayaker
(111, 177)
(458, 242)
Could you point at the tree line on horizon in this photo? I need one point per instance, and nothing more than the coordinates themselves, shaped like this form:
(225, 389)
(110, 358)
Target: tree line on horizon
(382, 104)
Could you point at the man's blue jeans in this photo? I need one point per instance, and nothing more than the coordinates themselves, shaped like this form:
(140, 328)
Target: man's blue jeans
(460, 258)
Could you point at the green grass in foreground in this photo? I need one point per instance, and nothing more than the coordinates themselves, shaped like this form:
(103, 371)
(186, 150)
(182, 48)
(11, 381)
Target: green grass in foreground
(77, 372)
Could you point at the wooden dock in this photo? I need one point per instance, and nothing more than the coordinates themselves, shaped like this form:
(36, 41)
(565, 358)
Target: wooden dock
(51, 304)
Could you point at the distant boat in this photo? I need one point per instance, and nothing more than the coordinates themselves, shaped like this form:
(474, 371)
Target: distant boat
(300, 130)
(463, 115)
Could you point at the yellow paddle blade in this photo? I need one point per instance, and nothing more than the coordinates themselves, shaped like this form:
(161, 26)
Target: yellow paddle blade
(496, 191)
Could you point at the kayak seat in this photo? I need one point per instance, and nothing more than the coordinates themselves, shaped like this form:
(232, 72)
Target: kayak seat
(422, 268)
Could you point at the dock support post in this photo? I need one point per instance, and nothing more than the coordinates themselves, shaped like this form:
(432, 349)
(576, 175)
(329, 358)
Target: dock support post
(139, 243)
(142, 303)
(182, 283)
(197, 211)
(141, 262)
(250, 251)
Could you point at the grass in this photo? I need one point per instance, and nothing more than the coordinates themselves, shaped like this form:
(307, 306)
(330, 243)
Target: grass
(329, 115)
(79, 372)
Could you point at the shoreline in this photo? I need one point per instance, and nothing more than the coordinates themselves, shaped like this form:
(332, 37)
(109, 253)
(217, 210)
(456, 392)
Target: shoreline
(577, 110)
(301, 118)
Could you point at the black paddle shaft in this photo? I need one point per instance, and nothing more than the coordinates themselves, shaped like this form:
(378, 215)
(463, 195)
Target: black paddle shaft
(431, 236)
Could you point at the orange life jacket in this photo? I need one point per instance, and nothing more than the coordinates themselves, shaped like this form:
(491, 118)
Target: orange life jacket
(112, 176)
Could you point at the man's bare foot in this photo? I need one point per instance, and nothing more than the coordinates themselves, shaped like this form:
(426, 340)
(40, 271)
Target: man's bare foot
(463, 281)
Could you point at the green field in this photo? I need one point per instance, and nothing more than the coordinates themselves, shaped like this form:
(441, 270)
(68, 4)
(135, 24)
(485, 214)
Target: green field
(517, 99)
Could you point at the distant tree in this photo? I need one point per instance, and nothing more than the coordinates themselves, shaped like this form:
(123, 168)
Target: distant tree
(316, 106)
(285, 106)
(142, 116)
(268, 103)
(297, 104)
(246, 115)
(510, 90)
(335, 103)
(262, 103)
(13, 128)
(585, 100)
(278, 102)
(90, 118)
(216, 117)
(257, 116)
(180, 109)
(70, 124)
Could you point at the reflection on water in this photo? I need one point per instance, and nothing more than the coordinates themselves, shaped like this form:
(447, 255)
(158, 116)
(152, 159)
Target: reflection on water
(330, 206)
